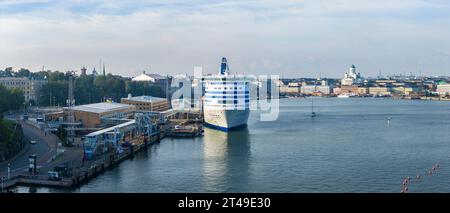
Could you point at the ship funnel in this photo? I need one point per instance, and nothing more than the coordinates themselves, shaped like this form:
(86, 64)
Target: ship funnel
(224, 67)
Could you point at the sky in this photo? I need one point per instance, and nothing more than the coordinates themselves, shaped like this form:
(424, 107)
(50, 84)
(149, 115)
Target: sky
(309, 38)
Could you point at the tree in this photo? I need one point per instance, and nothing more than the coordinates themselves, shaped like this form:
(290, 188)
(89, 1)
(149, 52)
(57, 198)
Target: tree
(85, 91)
(56, 76)
(53, 93)
(92, 89)
(10, 99)
(62, 134)
(8, 72)
(23, 73)
(143, 88)
(10, 139)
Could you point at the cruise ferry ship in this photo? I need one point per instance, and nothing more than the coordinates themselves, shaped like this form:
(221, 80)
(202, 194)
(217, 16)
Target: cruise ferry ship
(227, 99)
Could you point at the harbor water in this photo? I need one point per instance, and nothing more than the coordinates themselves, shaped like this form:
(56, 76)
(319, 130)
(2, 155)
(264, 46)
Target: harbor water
(352, 145)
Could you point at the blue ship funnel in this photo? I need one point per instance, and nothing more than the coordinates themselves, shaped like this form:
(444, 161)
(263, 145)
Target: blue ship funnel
(223, 66)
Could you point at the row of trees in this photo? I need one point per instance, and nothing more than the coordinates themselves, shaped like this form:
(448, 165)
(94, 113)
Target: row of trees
(87, 88)
(92, 89)
(9, 72)
(10, 132)
(10, 139)
(10, 99)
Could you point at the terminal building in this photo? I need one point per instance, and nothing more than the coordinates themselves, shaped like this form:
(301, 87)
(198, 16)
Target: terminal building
(147, 103)
(100, 114)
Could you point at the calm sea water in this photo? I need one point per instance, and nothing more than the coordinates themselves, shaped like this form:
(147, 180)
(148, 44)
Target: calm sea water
(349, 147)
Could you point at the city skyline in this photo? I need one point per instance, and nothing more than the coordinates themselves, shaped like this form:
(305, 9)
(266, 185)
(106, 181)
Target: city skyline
(289, 38)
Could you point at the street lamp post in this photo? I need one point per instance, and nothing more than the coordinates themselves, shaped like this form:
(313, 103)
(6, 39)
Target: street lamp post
(3, 179)
(9, 170)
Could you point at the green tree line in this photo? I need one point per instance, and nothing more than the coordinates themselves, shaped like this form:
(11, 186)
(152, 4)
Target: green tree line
(87, 88)
(92, 89)
(10, 99)
(9, 72)
(10, 133)
(10, 139)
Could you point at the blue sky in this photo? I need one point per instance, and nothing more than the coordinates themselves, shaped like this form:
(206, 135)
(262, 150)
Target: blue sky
(289, 38)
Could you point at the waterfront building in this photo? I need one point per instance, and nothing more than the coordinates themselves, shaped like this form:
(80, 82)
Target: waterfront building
(312, 89)
(29, 86)
(379, 91)
(294, 84)
(161, 81)
(346, 89)
(406, 90)
(363, 90)
(99, 114)
(443, 89)
(147, 103)
(289, 90)
(337, 90)
(351, 77)
(155, 78)
(398, 84)
(323, 89)
(308, 89)
(430, 86)
(385, 81)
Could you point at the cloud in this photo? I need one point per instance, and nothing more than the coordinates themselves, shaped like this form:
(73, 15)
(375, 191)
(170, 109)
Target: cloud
(293, 38)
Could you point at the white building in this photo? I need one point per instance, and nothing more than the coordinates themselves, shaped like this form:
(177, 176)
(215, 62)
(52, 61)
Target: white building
(310, 89)
(324, 88)
(155, 78)
(443, 89)
(29, 86)
(351, 77)
(161, 81)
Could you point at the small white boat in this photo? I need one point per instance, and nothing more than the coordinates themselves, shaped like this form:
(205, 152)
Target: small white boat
(343, 96)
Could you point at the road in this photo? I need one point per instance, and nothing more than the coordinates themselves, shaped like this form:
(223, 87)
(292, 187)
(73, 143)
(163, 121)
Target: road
(44, 149)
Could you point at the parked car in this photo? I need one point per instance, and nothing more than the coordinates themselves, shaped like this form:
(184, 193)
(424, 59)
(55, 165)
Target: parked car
(52, 175)
(33, 142)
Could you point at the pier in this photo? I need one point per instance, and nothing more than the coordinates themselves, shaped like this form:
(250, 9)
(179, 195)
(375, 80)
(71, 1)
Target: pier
(104, 148)
(82, 171)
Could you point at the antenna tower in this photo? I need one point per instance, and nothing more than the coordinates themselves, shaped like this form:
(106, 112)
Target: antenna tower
(70, 115)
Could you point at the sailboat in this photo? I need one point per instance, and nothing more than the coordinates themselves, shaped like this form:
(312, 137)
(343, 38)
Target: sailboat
(313, 114)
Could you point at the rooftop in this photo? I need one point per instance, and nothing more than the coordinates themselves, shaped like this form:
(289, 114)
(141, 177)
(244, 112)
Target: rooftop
(148, 77)
(101, 107)
(110, 129)
(148, 99)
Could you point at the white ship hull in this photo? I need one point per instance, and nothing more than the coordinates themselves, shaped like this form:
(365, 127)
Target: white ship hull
(226, 100)
(226, 119)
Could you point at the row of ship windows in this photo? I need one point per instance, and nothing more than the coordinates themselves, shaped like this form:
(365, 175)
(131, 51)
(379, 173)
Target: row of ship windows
(229, 83)
(225, 97)
(229, 106)
(226, 102)
(225, 88)
(224, 92)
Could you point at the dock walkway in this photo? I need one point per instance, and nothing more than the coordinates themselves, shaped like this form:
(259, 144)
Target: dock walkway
(81, 171)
